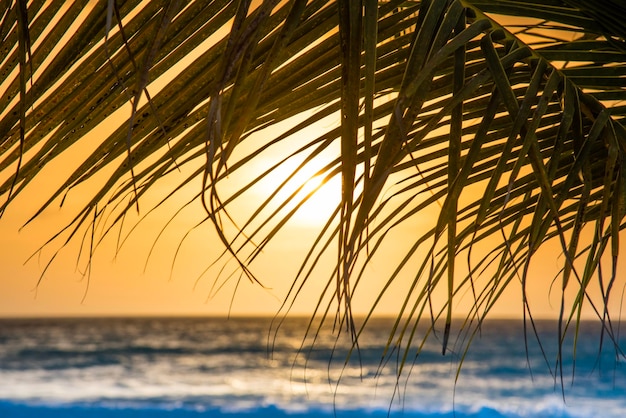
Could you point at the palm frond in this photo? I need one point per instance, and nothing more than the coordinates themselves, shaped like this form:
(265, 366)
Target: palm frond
(509, 115)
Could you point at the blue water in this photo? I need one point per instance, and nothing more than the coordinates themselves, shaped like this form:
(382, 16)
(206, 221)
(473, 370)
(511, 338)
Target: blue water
(214, 367)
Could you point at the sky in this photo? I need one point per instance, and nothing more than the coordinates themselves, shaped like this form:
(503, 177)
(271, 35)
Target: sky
(181, 271)
(143, 276)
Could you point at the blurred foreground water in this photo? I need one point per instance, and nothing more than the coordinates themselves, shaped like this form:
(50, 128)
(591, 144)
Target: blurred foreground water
(217, 367)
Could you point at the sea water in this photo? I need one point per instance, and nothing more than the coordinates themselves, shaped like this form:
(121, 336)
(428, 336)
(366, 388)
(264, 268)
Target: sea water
(243, 367)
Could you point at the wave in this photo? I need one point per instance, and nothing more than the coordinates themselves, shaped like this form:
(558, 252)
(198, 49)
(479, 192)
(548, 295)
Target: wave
(214, 368)
(105, 410)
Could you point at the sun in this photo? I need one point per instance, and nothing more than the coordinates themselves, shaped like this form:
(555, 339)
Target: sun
(314, 196)
(323, 200)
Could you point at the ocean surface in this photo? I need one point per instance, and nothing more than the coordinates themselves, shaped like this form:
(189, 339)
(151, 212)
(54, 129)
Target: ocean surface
(218, 367)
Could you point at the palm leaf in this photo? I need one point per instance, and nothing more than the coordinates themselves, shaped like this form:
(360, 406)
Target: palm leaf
(515, 128)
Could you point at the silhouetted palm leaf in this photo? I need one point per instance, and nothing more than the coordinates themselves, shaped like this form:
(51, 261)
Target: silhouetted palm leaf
(508, 114)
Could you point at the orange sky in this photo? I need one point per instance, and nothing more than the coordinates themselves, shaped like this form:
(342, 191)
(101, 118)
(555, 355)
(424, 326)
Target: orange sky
(118, 284)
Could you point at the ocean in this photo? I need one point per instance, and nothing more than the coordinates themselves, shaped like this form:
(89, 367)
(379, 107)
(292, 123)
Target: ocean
(238, 368)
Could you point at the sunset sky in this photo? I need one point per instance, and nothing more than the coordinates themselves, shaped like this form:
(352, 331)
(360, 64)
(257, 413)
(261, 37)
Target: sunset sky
(119, 285)
(145, 278)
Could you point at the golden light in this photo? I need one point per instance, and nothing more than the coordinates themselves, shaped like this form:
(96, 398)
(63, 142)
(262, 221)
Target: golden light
(315, 196)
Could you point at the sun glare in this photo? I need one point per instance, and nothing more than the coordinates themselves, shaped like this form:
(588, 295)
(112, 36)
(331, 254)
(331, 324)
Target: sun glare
(324, 199)
(317, 198)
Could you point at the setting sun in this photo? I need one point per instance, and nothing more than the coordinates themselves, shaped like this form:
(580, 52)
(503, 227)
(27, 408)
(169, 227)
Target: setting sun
(315, 197)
